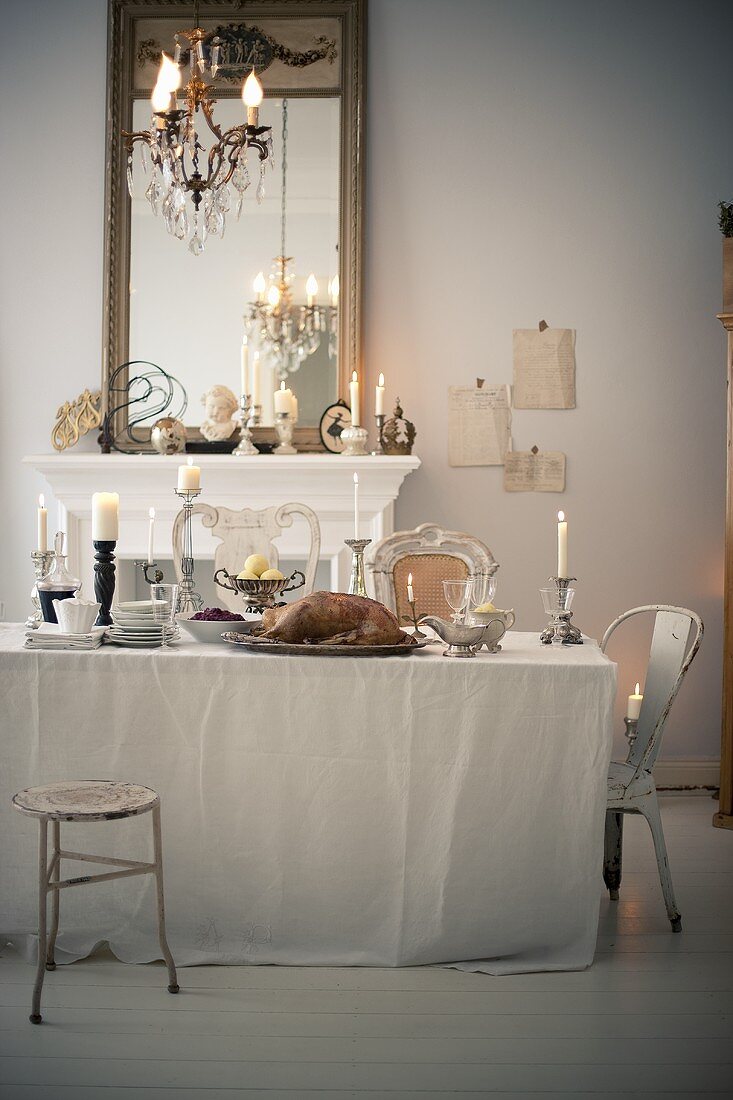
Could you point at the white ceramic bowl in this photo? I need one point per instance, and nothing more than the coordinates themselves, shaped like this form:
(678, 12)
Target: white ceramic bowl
(204, 630)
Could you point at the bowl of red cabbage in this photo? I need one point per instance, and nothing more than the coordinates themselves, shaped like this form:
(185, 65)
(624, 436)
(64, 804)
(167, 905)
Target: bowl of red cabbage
(209, 625)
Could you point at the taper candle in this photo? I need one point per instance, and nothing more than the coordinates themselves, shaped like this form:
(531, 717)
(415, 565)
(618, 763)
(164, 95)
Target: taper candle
(244, 366)
(356, 506)
(410, 593)
(254, 379)
(633, 707)
(151, 533)
(379, 397)
(562, 545)
(354, 396)
(42, 524)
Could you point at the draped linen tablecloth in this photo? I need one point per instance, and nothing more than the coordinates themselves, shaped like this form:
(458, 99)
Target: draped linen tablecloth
(323, 811)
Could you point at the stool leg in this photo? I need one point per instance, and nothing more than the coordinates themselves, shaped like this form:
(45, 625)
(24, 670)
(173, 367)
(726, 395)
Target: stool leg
(158, 853)
(55, 895)
(35, 1016)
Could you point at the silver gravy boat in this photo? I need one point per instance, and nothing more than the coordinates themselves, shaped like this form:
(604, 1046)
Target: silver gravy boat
(463, 640)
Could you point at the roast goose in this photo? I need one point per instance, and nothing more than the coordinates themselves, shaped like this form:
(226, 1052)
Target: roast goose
(333, 618)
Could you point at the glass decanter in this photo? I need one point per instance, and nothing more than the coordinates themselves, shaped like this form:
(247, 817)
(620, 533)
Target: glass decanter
(59, 583)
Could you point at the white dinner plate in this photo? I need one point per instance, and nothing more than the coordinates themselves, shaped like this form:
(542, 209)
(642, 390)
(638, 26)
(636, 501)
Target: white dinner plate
(137, 624)
(136, 606)
(139, 643)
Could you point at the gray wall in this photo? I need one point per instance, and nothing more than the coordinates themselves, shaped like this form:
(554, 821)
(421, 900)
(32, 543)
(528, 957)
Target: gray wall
(526, 159)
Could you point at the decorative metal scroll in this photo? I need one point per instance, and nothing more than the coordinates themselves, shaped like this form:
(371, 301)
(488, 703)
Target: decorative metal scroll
(242, 47)
(146, 396)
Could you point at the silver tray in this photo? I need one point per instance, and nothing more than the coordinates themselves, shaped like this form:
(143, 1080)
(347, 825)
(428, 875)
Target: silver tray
(265, 645)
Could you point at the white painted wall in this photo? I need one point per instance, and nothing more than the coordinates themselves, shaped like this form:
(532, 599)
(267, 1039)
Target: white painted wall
(525, 160)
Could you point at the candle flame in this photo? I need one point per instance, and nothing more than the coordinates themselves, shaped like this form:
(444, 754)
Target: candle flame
(259, 284)
(190, 460)
(244, 339)
(160, 99)
(41, 500)
(151, 513)
(356, 479)
(169, 75)
(380, 383)
(354, 377)
(409, 580)
(560, 517)
(637, 690)
(282, 386)
(311, 285)
(252, 93)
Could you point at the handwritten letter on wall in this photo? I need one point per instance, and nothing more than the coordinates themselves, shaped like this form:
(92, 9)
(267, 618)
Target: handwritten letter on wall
(544, 368)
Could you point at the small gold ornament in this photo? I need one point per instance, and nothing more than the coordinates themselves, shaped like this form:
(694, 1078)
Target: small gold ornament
(76, 418)
(398, 434)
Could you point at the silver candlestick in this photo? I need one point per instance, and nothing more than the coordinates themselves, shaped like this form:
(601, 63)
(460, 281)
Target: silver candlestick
(188, 598)
(379, 449)
(254, 416)
(284, 425)
(41, 563)
(354, 440)
(631, 731)
(245, 447)
(557, 601)
(357, 584)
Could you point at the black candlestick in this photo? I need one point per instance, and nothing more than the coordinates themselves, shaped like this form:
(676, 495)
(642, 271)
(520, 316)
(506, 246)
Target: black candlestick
(104, 580)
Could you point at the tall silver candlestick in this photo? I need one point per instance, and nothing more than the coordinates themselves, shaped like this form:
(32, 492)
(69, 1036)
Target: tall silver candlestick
(189, 600)
(379, 449)
(357, 583)
(41, 563)
(245, 447)
(557, 601)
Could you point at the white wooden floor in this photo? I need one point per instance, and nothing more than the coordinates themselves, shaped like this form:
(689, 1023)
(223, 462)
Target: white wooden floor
(653, 1017)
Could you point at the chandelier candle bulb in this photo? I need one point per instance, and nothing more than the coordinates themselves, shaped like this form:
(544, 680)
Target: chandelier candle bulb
(189, 477)
(354, 397)
(311, 289)
(105, 517)
(633, 707)
(151, 533)
(42, 525)
(562, 545)
(259, 286)
(334, 291)
(379, 397)
(252, 94)
(356, 506)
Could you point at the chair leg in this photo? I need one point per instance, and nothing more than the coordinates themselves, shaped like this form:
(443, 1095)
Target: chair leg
(35, 1016)
(55, 895)
(649, 807)
(158, 855)
(612, 852)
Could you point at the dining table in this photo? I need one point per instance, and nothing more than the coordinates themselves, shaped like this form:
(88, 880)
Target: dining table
(321, 810)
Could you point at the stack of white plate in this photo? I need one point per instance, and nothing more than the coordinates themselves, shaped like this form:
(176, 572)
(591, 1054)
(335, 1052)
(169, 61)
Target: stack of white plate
(134, 626)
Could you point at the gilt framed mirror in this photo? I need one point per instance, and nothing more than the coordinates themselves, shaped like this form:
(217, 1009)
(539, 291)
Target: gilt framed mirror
(270, 256)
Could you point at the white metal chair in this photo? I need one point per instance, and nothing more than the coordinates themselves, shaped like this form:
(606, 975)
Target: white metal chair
(87, 800)
(249, 532)
(631, 787)
(432, 555)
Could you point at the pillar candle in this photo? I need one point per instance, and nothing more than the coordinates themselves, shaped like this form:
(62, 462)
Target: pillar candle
(562, 545)
(254, 379)
(283, 400)
(410, 593)
(379, 397)
(244, 366)
(189, 477)
(105, 517)
(151, 532)
(633, 707)
(356, 506)
(42, 524)
(354, 393)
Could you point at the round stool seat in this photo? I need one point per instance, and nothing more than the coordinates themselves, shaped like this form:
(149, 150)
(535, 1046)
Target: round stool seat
(86, 800)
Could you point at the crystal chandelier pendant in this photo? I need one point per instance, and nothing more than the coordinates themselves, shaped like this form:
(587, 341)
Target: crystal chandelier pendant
(191, 174)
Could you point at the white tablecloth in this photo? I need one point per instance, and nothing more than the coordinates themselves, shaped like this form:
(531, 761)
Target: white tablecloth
(324, 811)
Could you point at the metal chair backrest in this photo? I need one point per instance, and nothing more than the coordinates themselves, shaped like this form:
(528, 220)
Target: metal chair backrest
(673, 648)
(431, 554)
(248, 532)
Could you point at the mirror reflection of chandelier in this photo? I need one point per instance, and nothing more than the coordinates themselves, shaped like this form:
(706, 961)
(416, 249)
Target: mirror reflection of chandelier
(288, 334)
(181, 166)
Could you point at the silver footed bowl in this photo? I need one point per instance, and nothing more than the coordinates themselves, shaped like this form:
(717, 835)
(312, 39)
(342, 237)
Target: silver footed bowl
(259, 594)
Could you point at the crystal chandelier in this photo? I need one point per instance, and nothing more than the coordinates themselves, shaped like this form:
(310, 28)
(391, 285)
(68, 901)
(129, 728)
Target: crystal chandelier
(181, 166)
(287, 334)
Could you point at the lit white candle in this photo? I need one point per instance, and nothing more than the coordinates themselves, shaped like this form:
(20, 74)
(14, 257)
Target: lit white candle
(189, 477)
(42, 524)
(311, 289)
(633, 707)
(254, 379)
(283, 400)
(105, 517)
(252, 95)
(379, 397)
(410, 593)
(151, 533)
(356, 506)
(354, 394)
(334, 291)
(244, 366)
(259, 286)
(562, 545)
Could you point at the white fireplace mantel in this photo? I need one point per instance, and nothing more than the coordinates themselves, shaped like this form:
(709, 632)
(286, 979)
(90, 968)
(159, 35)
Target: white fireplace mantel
(325, 482)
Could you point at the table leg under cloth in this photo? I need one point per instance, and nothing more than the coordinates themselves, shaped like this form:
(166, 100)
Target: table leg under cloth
(325, 811)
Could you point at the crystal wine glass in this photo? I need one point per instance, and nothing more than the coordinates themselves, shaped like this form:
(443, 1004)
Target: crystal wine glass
(457, 594)
(483, 591)
(164, 598)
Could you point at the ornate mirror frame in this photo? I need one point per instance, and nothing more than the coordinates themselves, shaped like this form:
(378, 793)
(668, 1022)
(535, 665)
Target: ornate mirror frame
(123, 17)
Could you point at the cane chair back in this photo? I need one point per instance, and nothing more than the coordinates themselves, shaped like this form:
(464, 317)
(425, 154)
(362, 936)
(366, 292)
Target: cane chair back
(246, 532)
(432, 555)
(675, 641)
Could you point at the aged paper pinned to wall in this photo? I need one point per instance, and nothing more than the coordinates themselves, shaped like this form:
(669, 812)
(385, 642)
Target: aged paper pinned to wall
(479, 425)
(544, 368)
(528, 472)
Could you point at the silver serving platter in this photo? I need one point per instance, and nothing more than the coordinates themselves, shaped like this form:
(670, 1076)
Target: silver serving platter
(266, 645)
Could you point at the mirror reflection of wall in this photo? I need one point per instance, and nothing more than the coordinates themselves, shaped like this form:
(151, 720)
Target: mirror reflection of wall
(186, 312)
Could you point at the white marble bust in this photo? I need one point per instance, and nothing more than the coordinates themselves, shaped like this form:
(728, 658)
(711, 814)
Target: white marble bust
(220, 405)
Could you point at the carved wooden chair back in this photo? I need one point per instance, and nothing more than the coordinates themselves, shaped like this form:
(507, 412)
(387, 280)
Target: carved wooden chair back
(249, 532)
(675, 641)
(432, 555)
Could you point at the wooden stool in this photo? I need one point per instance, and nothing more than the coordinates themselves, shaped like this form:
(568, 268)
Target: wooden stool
(87, 800)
